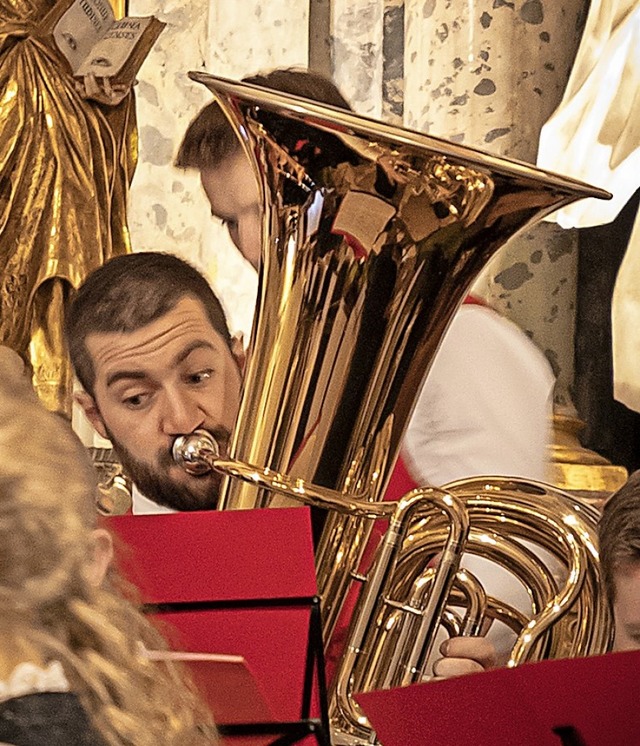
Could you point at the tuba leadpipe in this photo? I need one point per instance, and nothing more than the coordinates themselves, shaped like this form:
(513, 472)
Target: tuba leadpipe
(199, 453)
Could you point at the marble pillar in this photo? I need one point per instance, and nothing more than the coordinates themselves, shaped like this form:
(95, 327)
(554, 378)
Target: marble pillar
(356, 42)
(488, 73)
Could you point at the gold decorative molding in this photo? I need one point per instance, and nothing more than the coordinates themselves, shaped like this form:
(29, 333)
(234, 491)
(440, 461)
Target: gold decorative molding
(578, 469)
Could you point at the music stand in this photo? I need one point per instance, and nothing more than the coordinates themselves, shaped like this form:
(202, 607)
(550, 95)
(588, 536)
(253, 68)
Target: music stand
(226, 683)
(243, 583)
(573, 702)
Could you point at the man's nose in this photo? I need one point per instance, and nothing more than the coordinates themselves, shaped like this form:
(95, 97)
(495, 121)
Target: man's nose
(181, 414)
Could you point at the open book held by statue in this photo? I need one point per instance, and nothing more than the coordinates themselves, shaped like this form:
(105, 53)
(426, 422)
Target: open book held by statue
(68, 149)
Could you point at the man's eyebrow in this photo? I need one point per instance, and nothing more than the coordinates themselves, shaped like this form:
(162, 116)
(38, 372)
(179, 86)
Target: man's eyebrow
(119, 375)
(140, 375)
(197, 344)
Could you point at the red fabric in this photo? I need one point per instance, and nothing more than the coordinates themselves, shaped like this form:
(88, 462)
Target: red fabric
(400, 482)
(474, 300)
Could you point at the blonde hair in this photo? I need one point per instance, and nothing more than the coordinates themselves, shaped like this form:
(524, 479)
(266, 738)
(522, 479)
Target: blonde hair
(48, 601)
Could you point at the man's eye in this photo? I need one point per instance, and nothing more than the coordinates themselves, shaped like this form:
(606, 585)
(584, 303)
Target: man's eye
(135, 401)
(200, 376)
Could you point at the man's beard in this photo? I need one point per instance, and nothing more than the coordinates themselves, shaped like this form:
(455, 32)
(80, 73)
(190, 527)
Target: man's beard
(154, 482)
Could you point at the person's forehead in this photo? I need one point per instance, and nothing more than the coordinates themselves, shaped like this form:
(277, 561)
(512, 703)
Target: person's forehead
(158, 342)
(234, 164)
(232, 181)
(627, 582)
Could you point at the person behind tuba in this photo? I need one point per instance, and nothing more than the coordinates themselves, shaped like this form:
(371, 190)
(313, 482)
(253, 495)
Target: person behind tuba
(619, 534)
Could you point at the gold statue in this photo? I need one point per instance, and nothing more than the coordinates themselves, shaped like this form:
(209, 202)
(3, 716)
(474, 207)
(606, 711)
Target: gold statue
(65, 168)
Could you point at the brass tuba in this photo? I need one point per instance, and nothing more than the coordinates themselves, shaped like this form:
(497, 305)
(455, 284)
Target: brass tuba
(372, 236)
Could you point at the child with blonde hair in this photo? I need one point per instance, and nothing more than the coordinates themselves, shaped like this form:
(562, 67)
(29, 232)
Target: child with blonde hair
(72, 668)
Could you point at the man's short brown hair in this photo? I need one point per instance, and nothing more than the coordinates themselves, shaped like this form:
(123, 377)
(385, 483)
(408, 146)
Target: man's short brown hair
(129, 292)
(619, 531)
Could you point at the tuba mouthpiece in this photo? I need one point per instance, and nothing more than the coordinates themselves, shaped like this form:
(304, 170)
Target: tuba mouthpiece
(196, 452)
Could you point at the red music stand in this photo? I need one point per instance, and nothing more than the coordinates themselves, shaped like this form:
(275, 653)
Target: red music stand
(226, 683)
(574, 702)
(239, 583)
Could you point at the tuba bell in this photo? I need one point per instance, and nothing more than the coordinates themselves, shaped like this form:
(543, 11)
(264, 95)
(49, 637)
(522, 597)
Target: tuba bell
(372, 236)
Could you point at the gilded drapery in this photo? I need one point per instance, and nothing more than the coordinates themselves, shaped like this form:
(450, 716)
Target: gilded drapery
(65, 167)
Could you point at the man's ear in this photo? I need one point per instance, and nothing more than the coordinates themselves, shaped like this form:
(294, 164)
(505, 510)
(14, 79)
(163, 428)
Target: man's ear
(237, 350)
(101, 556)
(88, 405)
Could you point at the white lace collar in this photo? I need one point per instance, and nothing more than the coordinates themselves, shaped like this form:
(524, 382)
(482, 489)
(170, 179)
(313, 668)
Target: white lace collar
(29, 678)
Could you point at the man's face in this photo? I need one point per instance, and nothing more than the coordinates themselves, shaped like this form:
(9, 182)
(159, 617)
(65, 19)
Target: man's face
(169, 378)
(233, 193)
(626, 607)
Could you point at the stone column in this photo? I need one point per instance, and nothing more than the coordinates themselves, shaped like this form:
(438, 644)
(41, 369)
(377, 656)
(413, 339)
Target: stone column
(356, 41)
(488, 74)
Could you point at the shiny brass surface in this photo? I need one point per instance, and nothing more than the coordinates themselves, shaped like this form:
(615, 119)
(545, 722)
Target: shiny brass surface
(114, 486)
(119, 8)
(65, 167)
(555, 526)
(557, 563)
(372, 236)
(546, 538)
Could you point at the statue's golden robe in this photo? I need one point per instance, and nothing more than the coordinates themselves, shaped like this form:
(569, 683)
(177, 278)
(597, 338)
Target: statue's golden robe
(65, 167)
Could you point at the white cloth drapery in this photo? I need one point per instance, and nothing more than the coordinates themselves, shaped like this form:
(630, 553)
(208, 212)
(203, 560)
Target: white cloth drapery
(594, 135)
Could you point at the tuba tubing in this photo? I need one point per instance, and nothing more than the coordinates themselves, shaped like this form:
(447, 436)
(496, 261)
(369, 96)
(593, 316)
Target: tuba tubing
(372, 236)
(401, 592)
(199, 452)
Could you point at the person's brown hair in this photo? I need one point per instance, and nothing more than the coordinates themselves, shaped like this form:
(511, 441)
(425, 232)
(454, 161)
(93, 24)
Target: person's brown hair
(129, 292)
(210, 139)
(619, 531)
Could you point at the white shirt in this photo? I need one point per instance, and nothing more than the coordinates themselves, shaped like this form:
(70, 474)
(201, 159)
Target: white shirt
(142, 505)
(485, 407)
